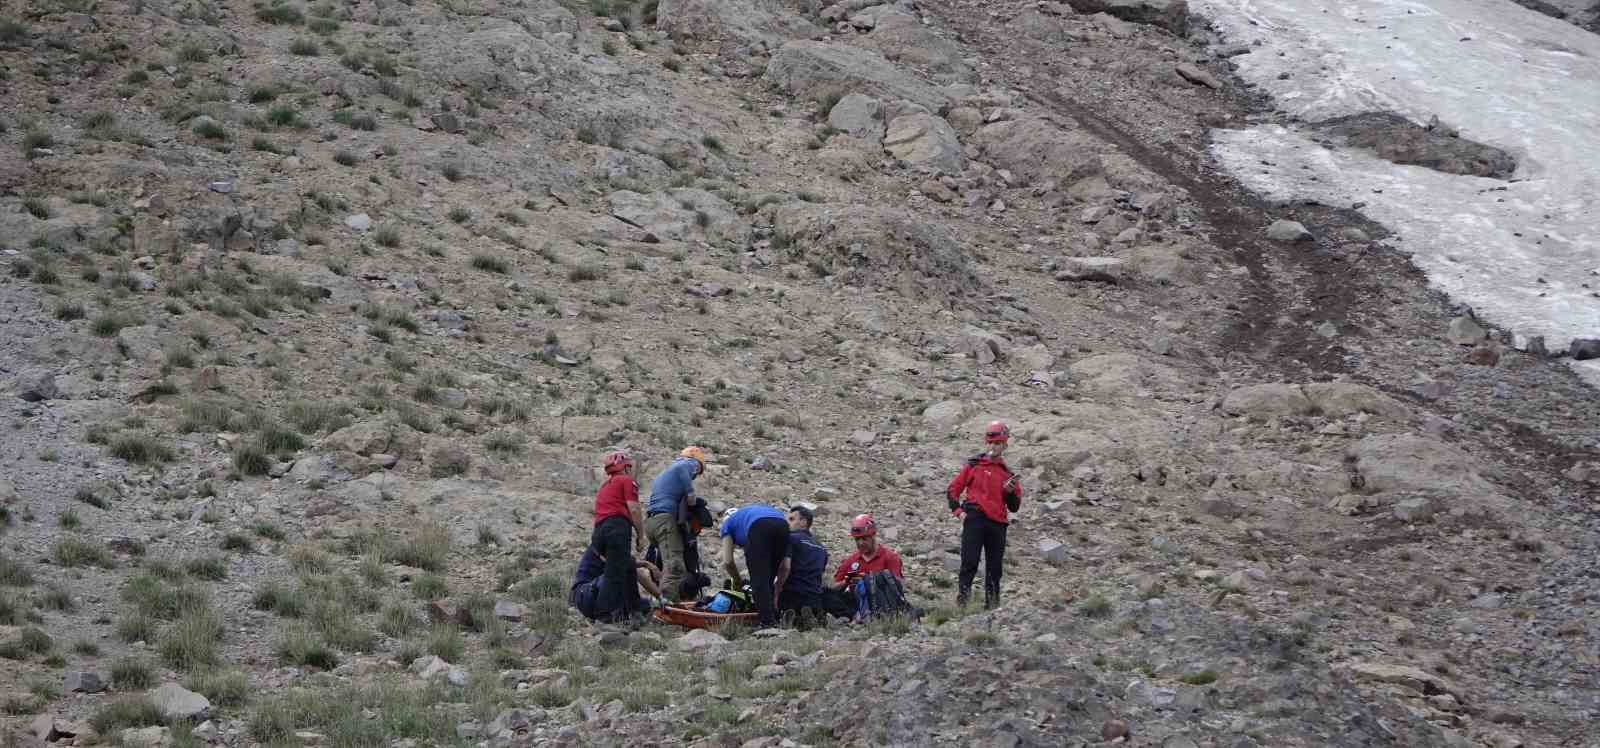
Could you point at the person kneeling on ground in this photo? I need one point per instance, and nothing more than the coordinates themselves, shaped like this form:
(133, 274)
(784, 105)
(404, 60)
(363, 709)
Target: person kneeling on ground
(588, 592)
(801, 591)
(763, 532)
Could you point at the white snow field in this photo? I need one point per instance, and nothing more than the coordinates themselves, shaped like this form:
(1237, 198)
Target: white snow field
(1524, 253)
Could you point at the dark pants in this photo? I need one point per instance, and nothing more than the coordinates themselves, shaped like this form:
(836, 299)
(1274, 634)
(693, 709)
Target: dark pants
(764, 550)
(613, 539)
(979, 534)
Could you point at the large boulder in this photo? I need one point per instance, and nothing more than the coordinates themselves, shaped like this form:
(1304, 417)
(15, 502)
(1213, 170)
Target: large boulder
(177, 703)
(1172, 15)
(874, 246)
(858, 116)
(500, 55)
(1268, 400)
(818, 70)
(1338, 399)
(733, 23)
(1409, 462)
(1034, 148)
(924, 142)
(678, 214)
(900, 37)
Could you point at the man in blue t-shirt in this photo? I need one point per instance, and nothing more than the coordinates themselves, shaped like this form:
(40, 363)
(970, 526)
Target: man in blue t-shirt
(666, 522)
(763, 532)
(800, 590)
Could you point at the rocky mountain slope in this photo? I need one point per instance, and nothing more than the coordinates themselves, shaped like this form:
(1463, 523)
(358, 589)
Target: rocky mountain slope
(316, 319)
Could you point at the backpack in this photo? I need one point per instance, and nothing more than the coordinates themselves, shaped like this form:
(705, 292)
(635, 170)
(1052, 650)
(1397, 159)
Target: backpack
(881, 595)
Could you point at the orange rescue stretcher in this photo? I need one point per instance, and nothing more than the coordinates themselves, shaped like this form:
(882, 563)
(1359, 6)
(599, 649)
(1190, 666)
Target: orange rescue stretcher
(690, 617)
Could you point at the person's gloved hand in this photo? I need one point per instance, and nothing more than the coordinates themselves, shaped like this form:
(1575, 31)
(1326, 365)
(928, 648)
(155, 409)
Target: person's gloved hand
(954, 505)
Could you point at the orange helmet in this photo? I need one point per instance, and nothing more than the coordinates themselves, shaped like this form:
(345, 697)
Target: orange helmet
(617, 462)
(697, 454)
(997, 431)
(863, 526)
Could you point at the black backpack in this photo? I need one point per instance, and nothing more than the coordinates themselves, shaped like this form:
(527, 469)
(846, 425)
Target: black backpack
(885, 596)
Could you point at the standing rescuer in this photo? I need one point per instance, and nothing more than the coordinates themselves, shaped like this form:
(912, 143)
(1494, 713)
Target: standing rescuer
(985, 491)
(763, 532)
(618, 532)
(671, 504)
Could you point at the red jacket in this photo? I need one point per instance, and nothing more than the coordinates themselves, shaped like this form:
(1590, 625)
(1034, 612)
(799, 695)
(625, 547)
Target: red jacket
(884, 560)
(983, 480)
(614, 497)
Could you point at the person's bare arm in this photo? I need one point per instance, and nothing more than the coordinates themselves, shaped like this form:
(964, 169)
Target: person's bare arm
(649, 585)
(783, 576)
(729, 566)
(636, 515)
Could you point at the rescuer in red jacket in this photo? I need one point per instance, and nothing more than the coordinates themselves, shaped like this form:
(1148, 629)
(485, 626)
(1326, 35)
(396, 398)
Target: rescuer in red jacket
(985, 491)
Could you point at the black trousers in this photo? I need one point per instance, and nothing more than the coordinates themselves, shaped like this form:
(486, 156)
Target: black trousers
(613, 539)
(764, 550)
(979, 534)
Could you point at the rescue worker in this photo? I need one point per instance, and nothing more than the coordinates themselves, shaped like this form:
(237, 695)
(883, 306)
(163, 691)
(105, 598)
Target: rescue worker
(763, 532)
(618, 532)
(870, 556)
(672, 502)
(983, 493)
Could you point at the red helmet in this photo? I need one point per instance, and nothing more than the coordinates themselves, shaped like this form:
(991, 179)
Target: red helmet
(617, 462)
(997, 431)
(863, 526)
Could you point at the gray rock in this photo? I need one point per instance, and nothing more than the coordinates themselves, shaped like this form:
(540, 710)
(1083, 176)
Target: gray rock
(810, 70)
(221, 187)
(448, 122)
(452, 398)
(143, 737)
(858, 116)
(1053, 551)
(1172, 15)
(736, 23)
(864, 438)
(699, 640)
(1466, 331)
(1412, 510)
(457, 677)
(36, 385)
(319, 468)
(1091, 269)
(506, 610)
(429, 667)
(761, 462)
(1582, 349)
(1034, 149)
(515, 721)
(80, 681)
(1284, 230)
(359, 221)
(1194, 74)
(925, 142)
(178, 703)
(610, 639)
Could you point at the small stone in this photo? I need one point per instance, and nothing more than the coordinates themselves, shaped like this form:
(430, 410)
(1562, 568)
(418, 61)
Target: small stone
(1466, 331)
(78, 681)
(457, 677)
(1327, 330)
(143, 737)
(611, 639)
(1487, 602)
(864, 438)
(506, 610)
(447, 122)
(768, 672)
(1412, 510)
(794, 355)
(359, 221)
(761, 462)
(221, 187)
(1053, 551)
(178, 703)
(1114, 729)
(429, 666)
(1284, 230)
(824, 493)
(36, 385)
(1197, 76)
(1484, 355)
(699, 640)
